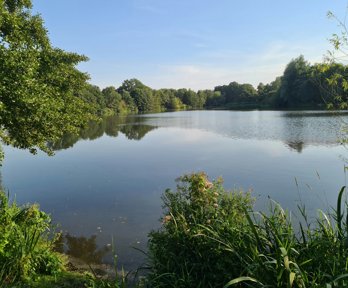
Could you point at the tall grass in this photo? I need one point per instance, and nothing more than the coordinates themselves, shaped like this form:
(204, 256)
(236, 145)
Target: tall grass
(25, 243)
(213, 238)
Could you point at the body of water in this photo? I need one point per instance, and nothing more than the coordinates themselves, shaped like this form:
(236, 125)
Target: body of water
(108, 181)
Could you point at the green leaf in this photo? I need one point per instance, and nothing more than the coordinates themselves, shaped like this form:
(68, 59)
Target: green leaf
(241, 279)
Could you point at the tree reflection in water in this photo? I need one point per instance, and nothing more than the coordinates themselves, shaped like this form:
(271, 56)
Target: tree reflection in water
(81, 247)
(132, 127)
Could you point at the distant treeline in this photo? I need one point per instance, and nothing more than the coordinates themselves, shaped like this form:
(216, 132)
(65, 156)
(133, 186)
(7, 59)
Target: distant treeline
(302, 85)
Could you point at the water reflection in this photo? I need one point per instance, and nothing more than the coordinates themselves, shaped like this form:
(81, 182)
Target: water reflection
(83, 248)
(315, 128)
(132, 127)
(296, 129)
(296, 146)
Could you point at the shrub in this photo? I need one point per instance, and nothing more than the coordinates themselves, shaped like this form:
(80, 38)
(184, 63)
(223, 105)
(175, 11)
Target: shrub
(186, 251)
(26, 249)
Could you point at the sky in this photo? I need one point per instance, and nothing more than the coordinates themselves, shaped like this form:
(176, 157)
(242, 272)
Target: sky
(195, 44)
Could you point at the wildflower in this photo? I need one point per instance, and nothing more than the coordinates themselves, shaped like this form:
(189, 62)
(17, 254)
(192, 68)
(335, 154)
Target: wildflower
(167, 219)
(208, 184)
(216, 194)
(208, 221)
(216, 205)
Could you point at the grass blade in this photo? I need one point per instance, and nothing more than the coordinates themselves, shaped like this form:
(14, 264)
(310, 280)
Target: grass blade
(241, 279)
(339, 214)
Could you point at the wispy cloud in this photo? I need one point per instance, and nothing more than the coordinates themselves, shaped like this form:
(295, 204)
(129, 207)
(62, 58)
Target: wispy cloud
(213, 67)
(218, 67)
(203, 77)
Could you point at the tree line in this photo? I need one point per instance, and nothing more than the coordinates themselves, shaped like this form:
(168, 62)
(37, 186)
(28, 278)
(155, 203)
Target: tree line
(302, 85)
(43, 95)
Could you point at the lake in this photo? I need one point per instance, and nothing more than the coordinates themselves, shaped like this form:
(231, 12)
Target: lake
(107, 183)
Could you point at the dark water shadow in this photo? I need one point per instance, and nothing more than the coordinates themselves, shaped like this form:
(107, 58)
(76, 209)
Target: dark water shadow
(83, 248)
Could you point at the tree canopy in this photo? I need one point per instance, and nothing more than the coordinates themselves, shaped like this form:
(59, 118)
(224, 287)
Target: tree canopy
(38, 82)
(302, 85)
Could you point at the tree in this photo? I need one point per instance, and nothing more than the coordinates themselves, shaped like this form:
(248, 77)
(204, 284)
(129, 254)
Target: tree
(112, 98)
(214, 99)
(188, 97)
(92, 95)
(168, 99)
(38, 83)
(129, 102)
(268, 93)
(143, 98)
(237, 93)
(130, 85)
(141, 94)
(296, 86)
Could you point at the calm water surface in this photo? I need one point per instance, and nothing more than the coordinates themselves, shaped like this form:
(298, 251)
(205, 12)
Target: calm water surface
(108, 182)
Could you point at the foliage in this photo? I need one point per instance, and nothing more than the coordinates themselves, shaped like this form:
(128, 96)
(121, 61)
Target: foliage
(64, 280)
(235, 92)
(214, 238)
(269, 93)
(38, 82)
(185, 251)
(331, 80)
(296, 86)
(26, 248)
(302, 85)
(75, 280)
(334, 83)
(339, 41)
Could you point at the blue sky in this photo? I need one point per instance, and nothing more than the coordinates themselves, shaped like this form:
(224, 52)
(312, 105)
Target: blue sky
(195, 44)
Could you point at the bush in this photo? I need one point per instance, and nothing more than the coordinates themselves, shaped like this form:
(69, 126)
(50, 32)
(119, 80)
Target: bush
(186, 251)
(214, 238)
(25, 246)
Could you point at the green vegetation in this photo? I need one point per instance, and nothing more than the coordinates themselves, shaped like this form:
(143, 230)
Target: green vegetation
(38, 83)
(301, 86)
(26, 250)
(214, 238)
(187, 251)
